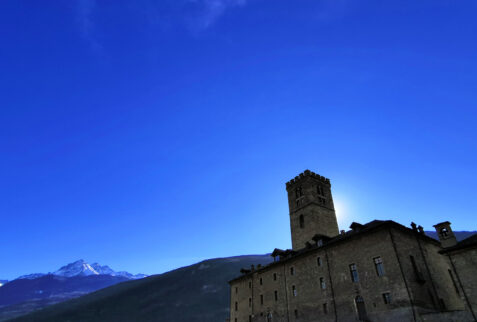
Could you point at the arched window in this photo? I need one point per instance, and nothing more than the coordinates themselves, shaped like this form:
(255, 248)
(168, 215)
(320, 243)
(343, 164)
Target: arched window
(302, 221)
(444, 232)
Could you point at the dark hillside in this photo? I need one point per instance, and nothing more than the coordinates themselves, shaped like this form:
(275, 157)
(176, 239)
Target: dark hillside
(197, 293)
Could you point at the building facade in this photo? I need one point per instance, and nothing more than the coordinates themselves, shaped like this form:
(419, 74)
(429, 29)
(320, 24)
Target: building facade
(379, 271)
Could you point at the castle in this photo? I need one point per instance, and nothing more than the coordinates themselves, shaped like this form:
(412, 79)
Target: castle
(379, 271)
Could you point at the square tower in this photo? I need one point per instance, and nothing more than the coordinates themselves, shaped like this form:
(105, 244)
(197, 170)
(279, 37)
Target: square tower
(311, 208)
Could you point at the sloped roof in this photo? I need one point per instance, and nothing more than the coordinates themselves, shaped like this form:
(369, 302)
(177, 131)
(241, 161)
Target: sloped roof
(363, 230)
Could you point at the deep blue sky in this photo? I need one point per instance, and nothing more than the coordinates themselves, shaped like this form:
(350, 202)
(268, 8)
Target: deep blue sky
(148, 135)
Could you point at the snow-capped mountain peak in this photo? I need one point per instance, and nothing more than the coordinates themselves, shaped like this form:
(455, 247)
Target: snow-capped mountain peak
(78, 268)
(82, 268)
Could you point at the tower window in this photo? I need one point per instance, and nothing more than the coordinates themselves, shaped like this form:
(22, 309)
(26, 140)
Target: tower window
(261, 281)
(319, 242)
(322, 283)
(274, 276)
(296, 313)
(236, 306)
(378, 264)
(236, 290)
(299, 192)
(249, 284)
(320, 190)
(250, 302)
(302, 221)
(276, 296)
(444, 232)
(354, 273)
(292, 270)
(294, 291)
(387, 298)
(318, 261)
(325, 308)
(261, 299)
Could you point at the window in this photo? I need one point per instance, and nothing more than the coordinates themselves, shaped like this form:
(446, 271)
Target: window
(261, 281)
(387, 298)
(318, 261)
(354, 273)
(444, 232)
(236, 290)
(320, 190)
(249, 284)
(319, 242)
(296, 313)
(236, 306)
(250, 302)
(249, 318)
(294, 291)
(378, 264)
(274, 276)
(322, 283)
(325, 308)
(235, 320)
(292, 271)
(261, 299)
(276, 296)
(453, 281)
(299, 192)
(302, 221)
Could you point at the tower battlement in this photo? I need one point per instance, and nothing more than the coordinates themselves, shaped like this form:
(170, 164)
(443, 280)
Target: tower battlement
(307, 173)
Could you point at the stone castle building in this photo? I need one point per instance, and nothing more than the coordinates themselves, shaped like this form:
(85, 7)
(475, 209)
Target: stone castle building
(379, 271)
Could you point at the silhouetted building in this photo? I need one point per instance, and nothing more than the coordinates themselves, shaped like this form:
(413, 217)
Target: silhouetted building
(379, 271)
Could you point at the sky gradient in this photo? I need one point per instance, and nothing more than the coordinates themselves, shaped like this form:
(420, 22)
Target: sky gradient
(151, 135)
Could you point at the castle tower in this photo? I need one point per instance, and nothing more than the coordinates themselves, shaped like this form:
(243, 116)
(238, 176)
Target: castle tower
(445, 234)
(311, 208)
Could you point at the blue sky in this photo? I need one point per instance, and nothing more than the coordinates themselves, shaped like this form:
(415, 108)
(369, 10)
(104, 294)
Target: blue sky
(153, 134)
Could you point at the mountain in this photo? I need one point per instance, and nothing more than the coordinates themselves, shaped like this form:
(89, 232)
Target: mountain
(459, 235)
(34, 291)
(196, 293)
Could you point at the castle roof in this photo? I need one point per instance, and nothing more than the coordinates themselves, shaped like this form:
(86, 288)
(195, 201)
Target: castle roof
(372, 226)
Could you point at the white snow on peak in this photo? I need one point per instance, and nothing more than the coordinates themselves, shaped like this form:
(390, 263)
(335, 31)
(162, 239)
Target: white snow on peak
(78, 268)
(82, 268)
